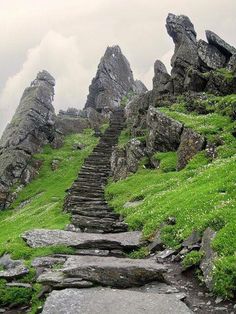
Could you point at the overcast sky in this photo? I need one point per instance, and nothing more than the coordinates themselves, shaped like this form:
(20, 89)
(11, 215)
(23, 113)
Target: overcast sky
(68, 38)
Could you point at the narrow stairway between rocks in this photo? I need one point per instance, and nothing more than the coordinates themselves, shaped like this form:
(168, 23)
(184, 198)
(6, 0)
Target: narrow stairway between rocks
(93, 280)
(86, 200)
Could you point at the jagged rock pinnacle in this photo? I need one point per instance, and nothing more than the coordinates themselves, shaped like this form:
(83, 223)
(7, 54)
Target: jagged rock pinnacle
(114, 80)
(31, 127)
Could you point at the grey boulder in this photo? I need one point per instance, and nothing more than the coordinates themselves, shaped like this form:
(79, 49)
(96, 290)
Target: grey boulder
(190, 144)
(164, 133)
(126, 160)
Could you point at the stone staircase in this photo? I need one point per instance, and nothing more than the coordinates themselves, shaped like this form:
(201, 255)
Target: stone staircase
(84, 283)
(86, 200)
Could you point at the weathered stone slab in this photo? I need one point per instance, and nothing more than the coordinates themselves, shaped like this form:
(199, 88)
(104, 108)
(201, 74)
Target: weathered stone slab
(44, 237)
(112, 271)
(57, 279)
(107, 301)
(12, 268)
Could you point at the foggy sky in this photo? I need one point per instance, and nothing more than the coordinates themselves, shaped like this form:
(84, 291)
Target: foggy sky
(68, 38)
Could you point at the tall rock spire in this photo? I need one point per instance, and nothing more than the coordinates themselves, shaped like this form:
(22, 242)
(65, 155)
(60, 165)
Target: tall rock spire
(114, 80)
(31, 127)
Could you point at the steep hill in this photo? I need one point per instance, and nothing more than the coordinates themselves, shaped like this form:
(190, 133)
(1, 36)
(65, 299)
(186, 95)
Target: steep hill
(136, 192)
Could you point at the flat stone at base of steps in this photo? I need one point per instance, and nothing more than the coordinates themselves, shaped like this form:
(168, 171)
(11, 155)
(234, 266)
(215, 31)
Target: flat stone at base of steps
(107, 301)
(107, 271)
(43, 237)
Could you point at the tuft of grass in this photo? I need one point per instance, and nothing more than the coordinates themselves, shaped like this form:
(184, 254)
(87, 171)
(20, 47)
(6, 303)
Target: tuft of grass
(192, 259)
(124, 137)
(14, 296)
(45, 196)
(168, 161)
(224, 277)
(140, 253)
(228, 75)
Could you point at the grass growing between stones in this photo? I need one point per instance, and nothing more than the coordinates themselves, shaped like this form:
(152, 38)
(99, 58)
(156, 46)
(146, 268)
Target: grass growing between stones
(201, 195)
(43, 198)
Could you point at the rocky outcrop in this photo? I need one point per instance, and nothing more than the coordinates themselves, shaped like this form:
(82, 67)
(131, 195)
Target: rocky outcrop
(135, 113)
(190, 144)
(139, 88)
(220, 44)
(126, 160)
(162, 80)
(182, 31)
(75, 121)
(232, 64)
(164, 133)
(32, 126)
(113, 81)
(210, 56)
(192, 59)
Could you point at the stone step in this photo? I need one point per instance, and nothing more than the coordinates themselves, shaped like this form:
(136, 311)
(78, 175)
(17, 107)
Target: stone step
(86, 193)
(126, 241)
(91, 207)
(85, 198)
(106, 225)
(77, 185)
(95, 213)
(96, 167)
(93, 175)
(83, 203)
(80, 188)
(107, 271)
(110, 301)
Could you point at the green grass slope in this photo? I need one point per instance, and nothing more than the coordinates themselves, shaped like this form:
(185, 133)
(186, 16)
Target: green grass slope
(44, 197)
(40, 205)
(201, 195)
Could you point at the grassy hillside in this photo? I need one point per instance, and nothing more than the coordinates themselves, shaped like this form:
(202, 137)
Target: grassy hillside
(201, 195)
(39, 204)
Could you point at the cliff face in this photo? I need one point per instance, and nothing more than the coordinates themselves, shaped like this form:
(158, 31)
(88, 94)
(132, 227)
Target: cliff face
(114, 80)
(31, 127)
